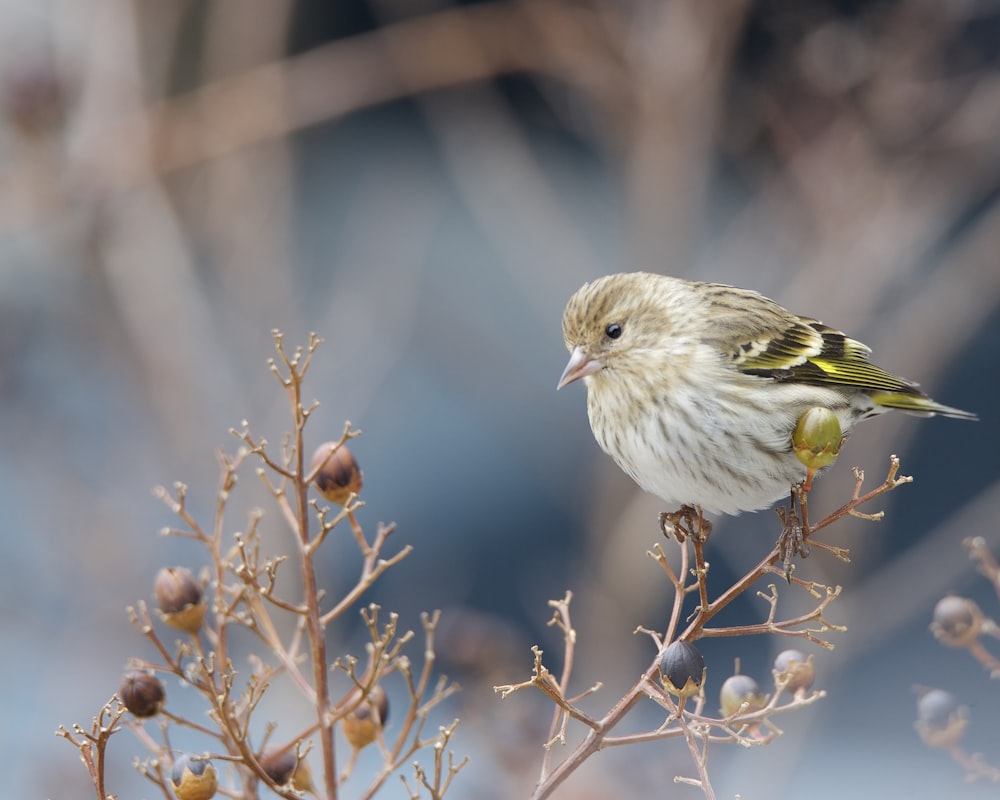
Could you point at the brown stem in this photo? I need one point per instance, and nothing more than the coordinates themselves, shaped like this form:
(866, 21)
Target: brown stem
(596, 737)
(693, 631)
(699, 755)
(314, 623)
(298, 519)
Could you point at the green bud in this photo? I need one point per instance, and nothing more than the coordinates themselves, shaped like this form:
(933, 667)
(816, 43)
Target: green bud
(817, 438)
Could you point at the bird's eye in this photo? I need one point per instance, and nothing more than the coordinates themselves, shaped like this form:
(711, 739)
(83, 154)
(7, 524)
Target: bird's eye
(614, 331)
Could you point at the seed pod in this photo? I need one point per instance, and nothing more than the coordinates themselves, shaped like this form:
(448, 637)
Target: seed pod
(194, 778)
(941, 719)
(796, 668)
(957, 621)
(817, 438)
(682, 669)
(362, 725)
(282, 767)
(740, 694)
(339, 477)
(180, 600)
(142, 693)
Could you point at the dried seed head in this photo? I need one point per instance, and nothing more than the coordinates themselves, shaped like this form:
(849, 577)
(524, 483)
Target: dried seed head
(957, 621)
(193, 778)
(362, 725)
(740, 694)
(796, 668)
(339, 477)
(179, 597)
(817, 438)
(682, 669)
(282, 767)
(142, 693)
(941, 719)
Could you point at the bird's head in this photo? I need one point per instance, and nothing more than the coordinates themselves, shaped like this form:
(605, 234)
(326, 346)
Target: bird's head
(618, 324)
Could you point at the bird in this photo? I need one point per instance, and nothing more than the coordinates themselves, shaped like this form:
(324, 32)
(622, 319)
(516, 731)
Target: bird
(694, 389)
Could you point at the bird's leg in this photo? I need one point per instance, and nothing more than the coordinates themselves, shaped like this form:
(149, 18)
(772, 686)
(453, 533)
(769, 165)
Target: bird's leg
(704, 526)
(684, 522)
(802, 493)
(791, 533)
(794, 526)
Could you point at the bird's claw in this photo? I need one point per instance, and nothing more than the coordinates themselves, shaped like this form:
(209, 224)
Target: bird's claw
(793, 540)
(684, 522)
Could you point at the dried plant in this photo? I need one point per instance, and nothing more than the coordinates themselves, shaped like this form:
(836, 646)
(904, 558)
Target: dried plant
(242, 588)
(959, 622)
(674, 679)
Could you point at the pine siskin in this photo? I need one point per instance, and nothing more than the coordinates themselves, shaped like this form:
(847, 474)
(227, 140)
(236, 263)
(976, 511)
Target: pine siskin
(694, 388)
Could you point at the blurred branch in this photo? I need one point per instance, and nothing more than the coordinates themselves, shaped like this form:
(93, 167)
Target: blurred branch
(448, 48)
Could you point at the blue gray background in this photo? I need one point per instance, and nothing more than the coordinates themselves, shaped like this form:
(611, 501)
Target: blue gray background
(424, 185)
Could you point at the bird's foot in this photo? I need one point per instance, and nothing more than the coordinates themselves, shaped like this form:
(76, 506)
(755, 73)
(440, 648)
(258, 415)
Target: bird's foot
(684, 522)
(793, 540)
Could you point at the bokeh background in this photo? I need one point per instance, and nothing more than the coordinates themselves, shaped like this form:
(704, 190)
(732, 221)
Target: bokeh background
(424, 184)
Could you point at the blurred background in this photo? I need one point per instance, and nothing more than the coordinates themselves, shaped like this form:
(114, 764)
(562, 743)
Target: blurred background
(425, 184)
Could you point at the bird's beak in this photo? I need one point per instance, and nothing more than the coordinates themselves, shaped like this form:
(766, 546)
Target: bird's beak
(580, 364)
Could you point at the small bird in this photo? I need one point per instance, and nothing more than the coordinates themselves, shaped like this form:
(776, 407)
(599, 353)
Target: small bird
(694, 388)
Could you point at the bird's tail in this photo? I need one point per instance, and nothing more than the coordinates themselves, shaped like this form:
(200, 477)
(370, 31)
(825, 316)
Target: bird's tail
(919, 404)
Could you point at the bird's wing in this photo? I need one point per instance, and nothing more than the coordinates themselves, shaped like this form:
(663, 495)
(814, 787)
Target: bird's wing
(775, 344)
(807, 351)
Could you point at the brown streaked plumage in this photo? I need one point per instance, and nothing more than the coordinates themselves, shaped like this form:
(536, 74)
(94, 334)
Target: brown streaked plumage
(694, 388)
